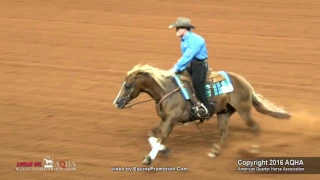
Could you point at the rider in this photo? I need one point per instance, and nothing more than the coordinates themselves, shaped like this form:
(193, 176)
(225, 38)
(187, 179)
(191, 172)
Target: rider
(194, 60)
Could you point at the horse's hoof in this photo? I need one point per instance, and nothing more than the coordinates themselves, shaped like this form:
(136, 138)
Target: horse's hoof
(165, 153)
(211, 155)
(147, 160)
(216, 149)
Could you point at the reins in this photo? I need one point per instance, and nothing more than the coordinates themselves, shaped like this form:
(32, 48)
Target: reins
(167, 95)
(203, 135)
(158, 104)
(129, 106)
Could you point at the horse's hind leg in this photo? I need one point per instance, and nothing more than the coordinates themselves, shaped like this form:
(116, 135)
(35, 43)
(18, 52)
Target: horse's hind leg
(223, 120)
(245, 114)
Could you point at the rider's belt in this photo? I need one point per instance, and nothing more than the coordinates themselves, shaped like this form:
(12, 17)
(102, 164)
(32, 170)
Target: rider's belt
(197, 61)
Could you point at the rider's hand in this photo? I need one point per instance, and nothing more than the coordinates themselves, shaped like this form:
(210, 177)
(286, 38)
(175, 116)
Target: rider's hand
(172, 70)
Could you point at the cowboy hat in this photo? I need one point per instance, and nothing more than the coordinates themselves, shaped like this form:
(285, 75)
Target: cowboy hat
(182, 22)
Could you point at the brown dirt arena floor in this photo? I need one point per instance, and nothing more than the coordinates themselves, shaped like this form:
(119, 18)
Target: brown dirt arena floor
(62, 63)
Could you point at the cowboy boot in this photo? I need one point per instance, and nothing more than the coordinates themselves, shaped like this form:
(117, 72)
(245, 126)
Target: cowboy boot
(198, 108)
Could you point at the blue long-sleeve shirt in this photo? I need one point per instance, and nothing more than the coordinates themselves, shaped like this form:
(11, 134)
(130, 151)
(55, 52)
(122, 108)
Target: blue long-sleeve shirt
(192, 46)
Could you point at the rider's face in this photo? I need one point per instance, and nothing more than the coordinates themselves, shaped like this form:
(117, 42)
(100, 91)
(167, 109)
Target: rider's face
(180, 31)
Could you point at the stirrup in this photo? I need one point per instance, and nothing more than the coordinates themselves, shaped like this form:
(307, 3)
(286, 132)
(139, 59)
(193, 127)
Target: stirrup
(197, 109)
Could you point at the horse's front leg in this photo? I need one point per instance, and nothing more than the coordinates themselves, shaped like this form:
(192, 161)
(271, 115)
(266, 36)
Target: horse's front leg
(157, 144)
(154, 137)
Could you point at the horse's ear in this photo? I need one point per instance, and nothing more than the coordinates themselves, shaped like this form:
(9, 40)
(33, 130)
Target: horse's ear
(142, 73)
(138, 74)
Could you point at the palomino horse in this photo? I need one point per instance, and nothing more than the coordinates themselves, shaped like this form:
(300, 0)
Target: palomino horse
(234, 94)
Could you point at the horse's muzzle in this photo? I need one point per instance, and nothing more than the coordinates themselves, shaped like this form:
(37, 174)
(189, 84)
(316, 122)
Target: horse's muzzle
(121, 103)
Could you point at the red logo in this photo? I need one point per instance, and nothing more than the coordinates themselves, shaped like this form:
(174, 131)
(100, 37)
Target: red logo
(29, 164)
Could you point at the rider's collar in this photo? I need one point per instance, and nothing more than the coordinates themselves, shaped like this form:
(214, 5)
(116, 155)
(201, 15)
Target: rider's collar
(185, 36)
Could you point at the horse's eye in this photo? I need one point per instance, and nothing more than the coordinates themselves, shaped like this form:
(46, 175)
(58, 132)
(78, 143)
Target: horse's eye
(127, 86)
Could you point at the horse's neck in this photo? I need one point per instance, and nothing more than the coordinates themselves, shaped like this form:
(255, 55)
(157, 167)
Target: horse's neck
(155, 93)
(154, 90)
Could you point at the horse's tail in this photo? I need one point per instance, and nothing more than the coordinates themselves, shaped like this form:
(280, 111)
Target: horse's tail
(264, 106)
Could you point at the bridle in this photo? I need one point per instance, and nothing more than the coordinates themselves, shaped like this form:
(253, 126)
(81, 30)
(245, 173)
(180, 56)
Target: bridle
(128, 97)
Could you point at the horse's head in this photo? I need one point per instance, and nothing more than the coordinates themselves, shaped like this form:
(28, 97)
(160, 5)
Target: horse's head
(140, 79)
(130, 89)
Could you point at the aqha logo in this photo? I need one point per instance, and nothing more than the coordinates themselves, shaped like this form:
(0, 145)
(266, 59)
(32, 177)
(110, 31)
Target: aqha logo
(48, 162)
(294, 162)
(66, 165)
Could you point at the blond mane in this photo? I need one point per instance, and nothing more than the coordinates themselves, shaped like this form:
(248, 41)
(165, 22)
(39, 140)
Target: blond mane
(157, 74)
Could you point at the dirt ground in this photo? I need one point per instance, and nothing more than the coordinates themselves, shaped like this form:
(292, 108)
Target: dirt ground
(62, 63)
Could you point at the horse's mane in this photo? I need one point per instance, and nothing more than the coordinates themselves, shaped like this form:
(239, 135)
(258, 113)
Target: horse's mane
(157, 74)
